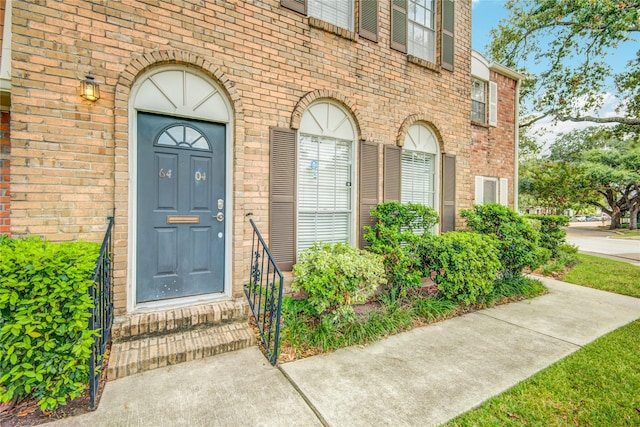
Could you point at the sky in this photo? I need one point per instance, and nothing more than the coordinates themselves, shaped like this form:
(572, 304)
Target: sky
(487, 13)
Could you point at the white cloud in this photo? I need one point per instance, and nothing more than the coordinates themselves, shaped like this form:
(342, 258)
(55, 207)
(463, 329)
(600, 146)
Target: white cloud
(547, 131)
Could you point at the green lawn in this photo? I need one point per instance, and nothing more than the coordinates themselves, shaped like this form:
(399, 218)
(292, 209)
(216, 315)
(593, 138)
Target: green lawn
(626, 234)
(599, 385)
(596, 386)
(606, 274)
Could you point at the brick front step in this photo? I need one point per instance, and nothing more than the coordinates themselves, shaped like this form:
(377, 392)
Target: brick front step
(150, 352)
(157, 323)
(145, 341)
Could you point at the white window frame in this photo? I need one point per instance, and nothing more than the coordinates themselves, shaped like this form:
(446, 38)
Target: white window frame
(328, 11)
(417, 13)
(328, 122)
(502, 190)
(489, 101)
(476, 84)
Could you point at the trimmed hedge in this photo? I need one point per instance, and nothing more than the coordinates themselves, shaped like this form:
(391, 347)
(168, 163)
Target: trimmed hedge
(464, 265)
(45, 342)
(551, 233)
(401, 234)
(518, 241)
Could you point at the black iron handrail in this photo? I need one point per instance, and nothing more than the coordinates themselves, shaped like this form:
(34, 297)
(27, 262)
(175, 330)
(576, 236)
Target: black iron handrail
(264, 292)
(102, 312)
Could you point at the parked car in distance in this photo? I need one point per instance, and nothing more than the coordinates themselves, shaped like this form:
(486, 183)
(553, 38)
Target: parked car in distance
(579, 218)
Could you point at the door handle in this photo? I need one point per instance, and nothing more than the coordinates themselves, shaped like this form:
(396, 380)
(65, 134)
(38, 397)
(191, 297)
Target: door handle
(220, 216)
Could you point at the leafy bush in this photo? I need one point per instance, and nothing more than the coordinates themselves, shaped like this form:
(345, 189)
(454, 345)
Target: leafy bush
(568, 248)
(333, 276)
(514, 286)
(566, 257)
(45, 343)
(401, 234)
(464, 264)
(552, 235)
(518, 240)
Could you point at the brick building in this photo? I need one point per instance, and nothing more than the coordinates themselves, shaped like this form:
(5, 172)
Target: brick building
(300, 113)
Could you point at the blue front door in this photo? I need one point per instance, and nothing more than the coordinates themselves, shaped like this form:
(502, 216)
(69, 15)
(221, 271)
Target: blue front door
(181, 208)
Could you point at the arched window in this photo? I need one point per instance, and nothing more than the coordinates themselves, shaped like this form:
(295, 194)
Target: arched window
(420, 167)
(325, 176)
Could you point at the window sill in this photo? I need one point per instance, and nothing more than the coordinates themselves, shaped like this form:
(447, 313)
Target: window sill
(481, 125)
(423, 63)
(333, 29)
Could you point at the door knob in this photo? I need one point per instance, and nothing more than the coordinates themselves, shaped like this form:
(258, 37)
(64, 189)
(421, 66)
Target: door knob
(220, 216)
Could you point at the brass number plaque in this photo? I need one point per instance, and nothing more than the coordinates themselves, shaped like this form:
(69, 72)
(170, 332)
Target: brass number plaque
(183, 219)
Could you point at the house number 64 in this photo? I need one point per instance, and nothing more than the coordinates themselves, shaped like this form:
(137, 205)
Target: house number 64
(201, 176)
(164, 174)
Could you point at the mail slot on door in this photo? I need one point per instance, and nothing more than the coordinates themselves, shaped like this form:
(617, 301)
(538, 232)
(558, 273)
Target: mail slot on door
(183, 219)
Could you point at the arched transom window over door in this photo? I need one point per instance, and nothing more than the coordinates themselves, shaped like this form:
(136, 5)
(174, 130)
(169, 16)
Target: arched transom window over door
(420, 160)
(326, 180)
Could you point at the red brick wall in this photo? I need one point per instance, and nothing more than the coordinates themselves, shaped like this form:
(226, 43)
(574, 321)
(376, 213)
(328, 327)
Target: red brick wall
(493, 148)
(5, 174)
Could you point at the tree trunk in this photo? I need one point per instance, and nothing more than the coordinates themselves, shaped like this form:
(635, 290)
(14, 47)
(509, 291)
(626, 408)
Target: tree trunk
(615, 218)
(633, 215)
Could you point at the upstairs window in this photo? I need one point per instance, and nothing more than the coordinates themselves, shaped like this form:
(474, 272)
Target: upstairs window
(414, 30)
(336, 12)
(422, 29)
(479, 101)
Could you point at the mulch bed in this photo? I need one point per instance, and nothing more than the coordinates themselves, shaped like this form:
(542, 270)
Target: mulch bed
(27, 412)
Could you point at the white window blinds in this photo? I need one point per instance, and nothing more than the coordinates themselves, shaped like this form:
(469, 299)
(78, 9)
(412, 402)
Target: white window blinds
(324, 190)
(337, 12)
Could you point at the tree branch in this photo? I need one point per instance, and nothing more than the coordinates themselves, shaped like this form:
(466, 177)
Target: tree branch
(534, 120)
(630, 121)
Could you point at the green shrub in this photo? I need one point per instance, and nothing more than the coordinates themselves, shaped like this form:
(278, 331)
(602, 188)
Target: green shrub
(518, 240)
(568, 248)
(552, 235)
(464, 265)
(333, 276)
(44, 306)
(560, 262)
(515, 286)
(401, 234)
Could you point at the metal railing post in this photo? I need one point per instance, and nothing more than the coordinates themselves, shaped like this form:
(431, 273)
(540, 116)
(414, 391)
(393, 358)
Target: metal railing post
(264, 293)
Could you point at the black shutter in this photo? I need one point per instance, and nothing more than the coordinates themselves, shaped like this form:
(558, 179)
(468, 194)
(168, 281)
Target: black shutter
(447, 51)
(299, 6)
(399, 25)
(369, 19)
(448, 192)
(368, 186)
(392, 171)
(282, 213)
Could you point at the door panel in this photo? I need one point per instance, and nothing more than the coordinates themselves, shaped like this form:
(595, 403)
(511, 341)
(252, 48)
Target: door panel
(166, 184)
(181, 177)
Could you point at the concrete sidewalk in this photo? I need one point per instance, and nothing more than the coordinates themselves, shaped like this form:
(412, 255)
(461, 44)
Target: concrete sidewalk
(422, 377)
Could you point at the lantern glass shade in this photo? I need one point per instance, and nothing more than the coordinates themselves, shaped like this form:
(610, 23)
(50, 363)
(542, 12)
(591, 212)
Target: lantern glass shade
(90, 89)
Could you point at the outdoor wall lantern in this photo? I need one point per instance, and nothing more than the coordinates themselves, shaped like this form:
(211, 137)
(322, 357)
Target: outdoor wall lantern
(89, 90)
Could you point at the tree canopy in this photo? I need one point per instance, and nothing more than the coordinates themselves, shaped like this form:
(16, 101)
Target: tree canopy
(571, 40)
(593, 166)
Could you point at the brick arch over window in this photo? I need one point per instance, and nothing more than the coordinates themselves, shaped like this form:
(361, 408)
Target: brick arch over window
(327, 94)
(419, 118)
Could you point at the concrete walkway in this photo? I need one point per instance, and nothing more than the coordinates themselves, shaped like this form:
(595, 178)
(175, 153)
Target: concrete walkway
(422, 377)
